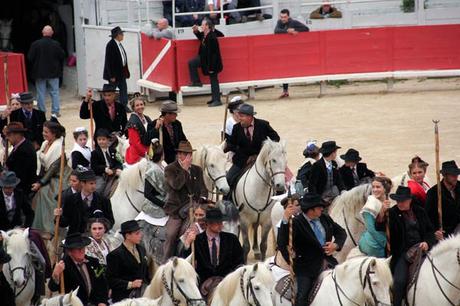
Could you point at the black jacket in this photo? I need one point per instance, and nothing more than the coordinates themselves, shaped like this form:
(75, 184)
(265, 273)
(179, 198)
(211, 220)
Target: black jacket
(347, 175)
(77, 158)
(46, 57)
(34, 125)
(398, 244)
(318, 177)
(169, 146)
(450, 208)
(230, 256)
(98, 161)
(294, 24)
(23, 162)
(113, 64)
(6, 292)
(22, 211)
(75, 212)
(74, 279)
(122, 267)
(242, 147)
(309, 252)
(102, 117)
(209, 53)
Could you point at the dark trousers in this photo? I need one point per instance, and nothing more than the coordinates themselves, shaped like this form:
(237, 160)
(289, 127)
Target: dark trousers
(304, 284)
(232, 174)
(285, 87)
(123, 87)
(193, 66)
(400, 280)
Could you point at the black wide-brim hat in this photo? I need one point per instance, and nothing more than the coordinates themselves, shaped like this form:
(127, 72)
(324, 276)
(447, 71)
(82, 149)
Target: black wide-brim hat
(351, 155)
(214, 215)
(102, 133)
(450, 167)
(76, 241)
(26, 97)
(9, 179)
(311, 200)
(87, 175)
(246, 109)
(129, 227)
(328, 147)
(108, 88)
(115, 31)
(402, 194)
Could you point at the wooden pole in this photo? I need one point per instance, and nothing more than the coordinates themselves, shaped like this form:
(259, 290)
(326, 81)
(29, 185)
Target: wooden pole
(438, 177)
(91, 123)
(291, 259)
(190, 217)
(222, 135)
(59, 205)
(8, 102)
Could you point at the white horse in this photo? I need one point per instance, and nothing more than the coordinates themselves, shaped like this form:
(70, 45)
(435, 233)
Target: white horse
(139, 302)
(438, 281)
(19, 272)
(254, 191)
(247, 285)
(69, 299)
(175, 283)
(345, 211)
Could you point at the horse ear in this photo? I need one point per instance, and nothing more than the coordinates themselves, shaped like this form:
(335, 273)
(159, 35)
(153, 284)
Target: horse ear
(372, 263)
(67, 298)
(4, 235)
(25, 234)
(388, 261)
(283, 143)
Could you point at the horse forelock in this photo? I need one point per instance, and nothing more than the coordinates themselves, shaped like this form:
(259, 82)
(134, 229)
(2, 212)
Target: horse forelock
(272, 148)
(264, 275)
(16, 241)
(184, 270)
(229, 285)
(446, 246)
(383, 271)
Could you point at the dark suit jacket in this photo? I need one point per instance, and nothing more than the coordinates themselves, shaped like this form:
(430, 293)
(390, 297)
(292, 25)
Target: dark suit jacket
(98, 161)
(170, 147)
(22, 209)
(46, 57)
(122, 267)
(102, 117)
(450, 208)
(209, 53)
(179, 184)
(113, 65)
(75, 212)
(347, 175)
(309, 253)
(34, 125)
(230, 256)
(242, 147)
(23, 162)
(398, 231)
(318, 177)
(73, 279)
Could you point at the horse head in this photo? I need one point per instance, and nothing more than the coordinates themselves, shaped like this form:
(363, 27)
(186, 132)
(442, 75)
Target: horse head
(376, 281)
(257, 284)
(213, 161)
(273, 158)
(69, 299)
(16, 244)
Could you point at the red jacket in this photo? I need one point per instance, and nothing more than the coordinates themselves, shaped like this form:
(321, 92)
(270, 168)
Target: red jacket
(418, 191)
(136, 149)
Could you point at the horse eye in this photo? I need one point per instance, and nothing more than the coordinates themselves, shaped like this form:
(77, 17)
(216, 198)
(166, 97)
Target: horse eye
(212, 165)
(274, 161)
(256, 287)
(181, 280)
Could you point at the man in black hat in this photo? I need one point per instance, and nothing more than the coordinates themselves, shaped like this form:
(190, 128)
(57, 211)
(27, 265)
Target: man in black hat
(217, 253)
(6, 292)
(116, 64)
(246, 140)
(409, 228)
(14, 208)
(31, 118)
(325, 178)
(80, 271)
(353, 172)
(313, 243)
(450, 196)
(183, 184)
(80, 206)
(127, 268)
(22, 159)
(171, 128)
(108, 114)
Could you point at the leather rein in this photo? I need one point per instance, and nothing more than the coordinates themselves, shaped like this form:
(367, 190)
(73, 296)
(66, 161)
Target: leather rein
(170, 291)
(250, 291)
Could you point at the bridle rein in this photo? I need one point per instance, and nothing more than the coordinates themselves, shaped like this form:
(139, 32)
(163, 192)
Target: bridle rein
(170, 291)
(250, 291)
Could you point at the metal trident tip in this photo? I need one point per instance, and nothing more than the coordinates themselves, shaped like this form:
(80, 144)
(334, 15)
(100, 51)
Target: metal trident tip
(435, 121)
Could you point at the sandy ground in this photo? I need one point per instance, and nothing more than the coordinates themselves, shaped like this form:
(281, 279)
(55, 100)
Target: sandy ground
(387, 128)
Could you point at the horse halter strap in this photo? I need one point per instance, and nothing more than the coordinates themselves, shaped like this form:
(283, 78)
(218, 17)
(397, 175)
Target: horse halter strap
(367, 281)
(249, 290)
(214, 180)
(170, 291)
(27, 275)
(271, 173)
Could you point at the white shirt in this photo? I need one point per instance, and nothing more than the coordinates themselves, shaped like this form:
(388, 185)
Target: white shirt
(229, 125)
(122, 51)
(328, 164)
(9, 201)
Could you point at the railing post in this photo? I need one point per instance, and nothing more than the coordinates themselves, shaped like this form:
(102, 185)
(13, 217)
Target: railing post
(276, 10)
(221, 8)
(420, 10)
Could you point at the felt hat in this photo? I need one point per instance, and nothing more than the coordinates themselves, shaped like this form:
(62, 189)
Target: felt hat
(115, 31)
(311, 148)
(311, 200)
(9, 179)
(26, 97)
(169, 107)
(328, 147)
(351, 155)
(76, 241)
(402, 194)
(185, 146)
(214, 215)
(108, 88)
(450, 167)
(15, 127)
(102, 133)
(86, 175)
(129, 227)
(246, 109)
(235, 102)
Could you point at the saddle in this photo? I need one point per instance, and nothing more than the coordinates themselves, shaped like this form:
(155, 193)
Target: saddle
(415, 258)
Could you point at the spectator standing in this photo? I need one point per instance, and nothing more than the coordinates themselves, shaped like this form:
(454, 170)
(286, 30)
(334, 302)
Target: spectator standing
(116, 69)
(290, 26)
(326, 11)
(46, 56)
(161, 30)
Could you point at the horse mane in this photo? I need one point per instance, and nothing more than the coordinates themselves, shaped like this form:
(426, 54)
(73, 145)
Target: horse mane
(381, 268)
(130, 177)
(269, 146)
(228, 286)
(356, 197)
(264, 274)
(155, 289)
(16, 232)
(198, 156)
(446, 245)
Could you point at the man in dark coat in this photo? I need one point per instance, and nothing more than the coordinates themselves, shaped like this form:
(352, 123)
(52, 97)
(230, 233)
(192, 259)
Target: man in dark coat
(116, 64)
(313, 243)
(80, 206)
(209, 59)
(32, 119)
(6, 292)
(127, 268)
(450, 195)
(325, 178)
(182, 181)
(22, 160)
(246, 140)
(171, 128)
(14, 209)
(80, 271)
(409, 227)
(108, 113)
(354, 173)
(46, 57)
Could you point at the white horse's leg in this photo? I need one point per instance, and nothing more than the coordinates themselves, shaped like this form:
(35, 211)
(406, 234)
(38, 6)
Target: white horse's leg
(255, 241)
(245, 236)
(266, 227)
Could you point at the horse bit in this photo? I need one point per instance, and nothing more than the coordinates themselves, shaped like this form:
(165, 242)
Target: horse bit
(249, 290)
(170, 291)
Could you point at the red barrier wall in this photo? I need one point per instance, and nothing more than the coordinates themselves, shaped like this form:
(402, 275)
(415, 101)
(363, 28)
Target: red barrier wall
(16, 74)
(272, 56)
(164, 73)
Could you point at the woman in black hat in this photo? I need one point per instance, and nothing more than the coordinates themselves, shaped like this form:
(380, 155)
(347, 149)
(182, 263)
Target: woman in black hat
(409, 228)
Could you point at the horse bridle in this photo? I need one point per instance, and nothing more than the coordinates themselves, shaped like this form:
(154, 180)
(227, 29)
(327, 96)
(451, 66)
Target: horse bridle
(27, 275)
(249, 290)
(170, 291)
(214, 180)
(272, 174)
